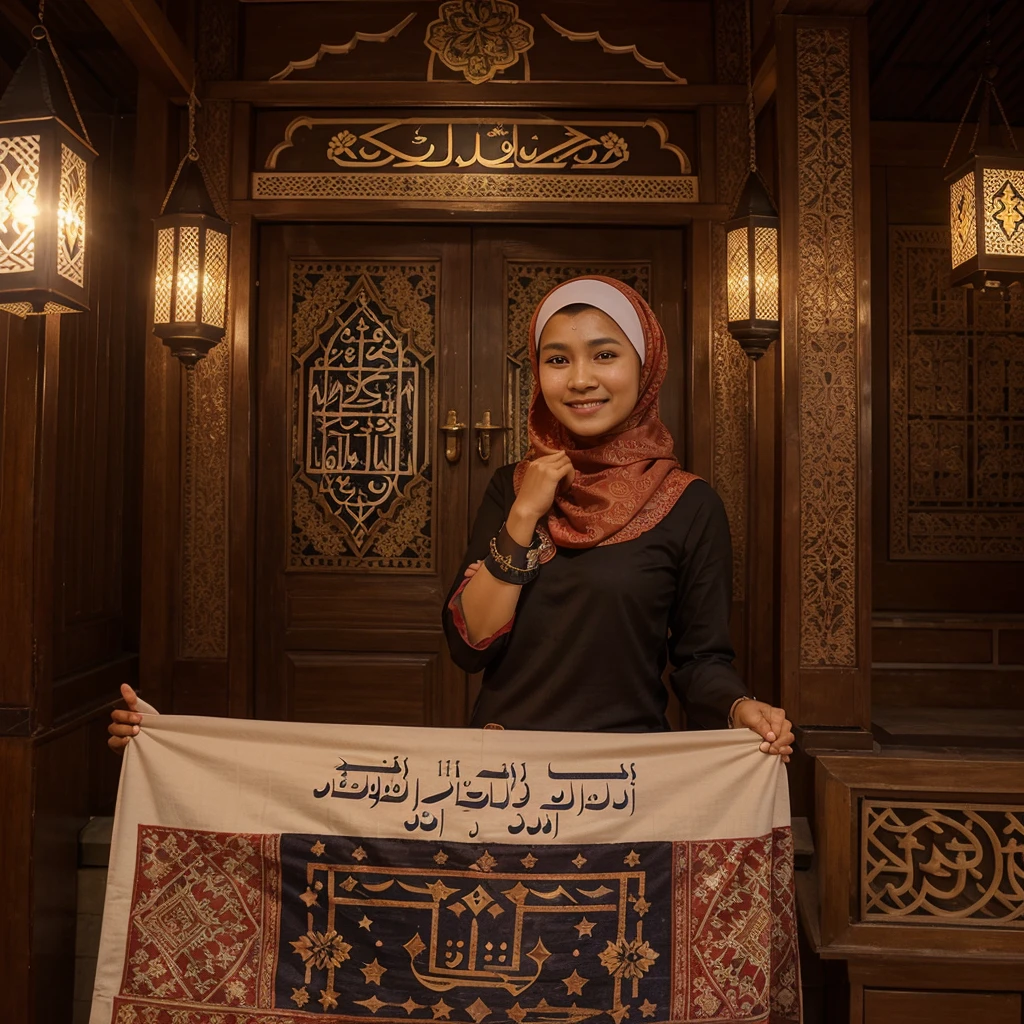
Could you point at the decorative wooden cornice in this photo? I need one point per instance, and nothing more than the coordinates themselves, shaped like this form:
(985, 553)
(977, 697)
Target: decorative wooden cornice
(146, 36)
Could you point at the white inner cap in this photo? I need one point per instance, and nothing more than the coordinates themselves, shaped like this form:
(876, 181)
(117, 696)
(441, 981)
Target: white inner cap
(604, 297)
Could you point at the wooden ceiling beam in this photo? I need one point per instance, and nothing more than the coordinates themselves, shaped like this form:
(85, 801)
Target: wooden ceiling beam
(146, 36)
(823, 8)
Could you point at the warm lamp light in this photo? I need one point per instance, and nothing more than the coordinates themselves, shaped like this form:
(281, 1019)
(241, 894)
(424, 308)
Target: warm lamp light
(45, 158)
(191, 275)
(752, 269)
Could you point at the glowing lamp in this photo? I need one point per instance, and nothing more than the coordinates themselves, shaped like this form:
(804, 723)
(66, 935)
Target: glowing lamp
(45, 163)
(752, 269)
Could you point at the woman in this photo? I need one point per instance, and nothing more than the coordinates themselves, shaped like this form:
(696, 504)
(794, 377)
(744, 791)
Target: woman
(607, 557)
(597, 558)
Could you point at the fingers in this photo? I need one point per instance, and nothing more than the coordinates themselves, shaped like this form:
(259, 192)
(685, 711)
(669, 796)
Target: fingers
(124, 722)
(770, 723)
(130, 697)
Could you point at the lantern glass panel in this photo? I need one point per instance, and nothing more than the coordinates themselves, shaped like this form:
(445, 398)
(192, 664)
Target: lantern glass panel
(19, 187)
(187, 276)
(962, 229)
(737, 274)
(164, 275)
(1004, 211)
(215, 278)
(71, 217)
(766, 273)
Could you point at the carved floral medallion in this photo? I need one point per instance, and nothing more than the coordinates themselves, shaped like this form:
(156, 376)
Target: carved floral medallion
(479, 37)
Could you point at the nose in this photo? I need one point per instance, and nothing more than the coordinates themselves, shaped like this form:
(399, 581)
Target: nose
(582, 376)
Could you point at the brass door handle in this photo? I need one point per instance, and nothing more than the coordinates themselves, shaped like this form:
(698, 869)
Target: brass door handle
(483, 435)
(452, 429)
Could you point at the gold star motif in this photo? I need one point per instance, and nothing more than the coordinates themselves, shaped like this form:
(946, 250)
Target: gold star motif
(632, 858)
(439, 890)
(327, 998)
(349, 884)
(318, 848)
(373, 1004)
(441, 1010)
(440, 858)
(619, 1014)
(517, 1013)
(647, 1008)
(478, 1010)
(308, 897)
(373, 972)
(365, 923)
(409, 1005)
(528, 861)
(579, 860)
(458, 909)
(574, 984)
(485, 862)
(359, 853)
(585, 927)
(300, 996)
(641, 906)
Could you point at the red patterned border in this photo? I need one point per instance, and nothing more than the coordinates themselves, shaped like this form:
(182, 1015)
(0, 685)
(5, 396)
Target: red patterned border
(730, 894)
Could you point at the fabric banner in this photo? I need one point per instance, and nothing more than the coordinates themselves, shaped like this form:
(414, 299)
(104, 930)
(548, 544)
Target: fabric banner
(269, 873)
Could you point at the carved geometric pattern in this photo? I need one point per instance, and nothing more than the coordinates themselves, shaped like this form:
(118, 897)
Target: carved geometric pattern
(71, 217)
(19, 182)
(827, 323)
(188, 275)
(961, 215)
(730, 368)
(1004, 211)
(923, 863)
(736, 274)
(478, 37)
(215, 272)
(525, 285)
(956, 403)
(452, 187)
(766, 273)
(362, 344)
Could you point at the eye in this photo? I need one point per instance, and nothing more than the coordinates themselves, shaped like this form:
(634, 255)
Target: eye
(556, 360)
(606, 355)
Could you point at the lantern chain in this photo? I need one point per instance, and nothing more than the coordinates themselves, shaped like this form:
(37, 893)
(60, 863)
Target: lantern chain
(193, 102)
(751, 120)
(39, 32)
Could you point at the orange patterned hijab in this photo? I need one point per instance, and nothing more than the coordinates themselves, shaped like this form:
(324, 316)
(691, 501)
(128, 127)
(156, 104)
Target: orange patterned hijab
(628, 481)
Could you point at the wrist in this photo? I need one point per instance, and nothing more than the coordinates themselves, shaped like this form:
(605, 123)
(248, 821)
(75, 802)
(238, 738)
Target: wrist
(520, 526)
(732, 723)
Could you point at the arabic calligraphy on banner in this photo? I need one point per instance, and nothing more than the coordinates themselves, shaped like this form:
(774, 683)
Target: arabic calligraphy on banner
(450, 801)
(352, 150)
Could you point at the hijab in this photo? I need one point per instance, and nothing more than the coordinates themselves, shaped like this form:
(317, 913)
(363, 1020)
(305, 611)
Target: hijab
(629, 480)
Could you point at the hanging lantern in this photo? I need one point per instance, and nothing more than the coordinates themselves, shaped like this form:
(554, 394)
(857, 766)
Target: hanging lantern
(752, 269)
(752, 252)
(190, 297)
(45, 161)
(986, 204)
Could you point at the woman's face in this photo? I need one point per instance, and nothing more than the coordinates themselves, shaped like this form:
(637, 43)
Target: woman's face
(589, 372)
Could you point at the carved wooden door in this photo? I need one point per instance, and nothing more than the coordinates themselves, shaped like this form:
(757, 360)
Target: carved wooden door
(361, 519)
(364, 348)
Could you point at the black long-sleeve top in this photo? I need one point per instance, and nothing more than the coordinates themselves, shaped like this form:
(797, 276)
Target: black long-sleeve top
(591, 634)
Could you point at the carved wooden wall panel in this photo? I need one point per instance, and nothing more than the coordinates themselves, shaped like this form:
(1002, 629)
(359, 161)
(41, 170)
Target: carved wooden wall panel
(927, 863)
(476, 41)
(828, 371)
(525, 285)
(363, 415)
(956, 409)
(730, 368)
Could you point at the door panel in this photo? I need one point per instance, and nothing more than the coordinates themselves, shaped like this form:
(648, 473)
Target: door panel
(513, 270)
(363, 346)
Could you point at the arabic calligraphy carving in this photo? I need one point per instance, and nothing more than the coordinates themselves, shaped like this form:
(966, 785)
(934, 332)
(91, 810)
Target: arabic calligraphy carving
(525, 285)
(363, 402)
(596, 37)
(478, 38)
(934, 864)
(328, 49)
(955, 405)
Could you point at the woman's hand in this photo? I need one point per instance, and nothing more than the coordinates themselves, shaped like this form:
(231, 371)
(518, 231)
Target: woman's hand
(544, 477)
(771, 724)
(124, 724)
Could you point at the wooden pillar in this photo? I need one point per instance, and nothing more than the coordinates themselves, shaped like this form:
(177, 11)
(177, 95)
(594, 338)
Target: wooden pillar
(824, 408)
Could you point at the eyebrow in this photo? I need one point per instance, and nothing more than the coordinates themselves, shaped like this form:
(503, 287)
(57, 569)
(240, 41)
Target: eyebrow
(557, 346)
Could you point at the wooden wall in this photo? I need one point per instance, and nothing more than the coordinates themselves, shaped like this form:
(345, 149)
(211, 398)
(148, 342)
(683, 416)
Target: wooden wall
(70, 460)
(948, 461)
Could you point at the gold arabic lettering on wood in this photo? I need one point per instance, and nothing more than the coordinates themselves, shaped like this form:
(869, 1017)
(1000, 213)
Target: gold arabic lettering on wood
(525, 285)
(956, 409)
(363, 343)
(827, 326)
(924, 863)
(478, 38)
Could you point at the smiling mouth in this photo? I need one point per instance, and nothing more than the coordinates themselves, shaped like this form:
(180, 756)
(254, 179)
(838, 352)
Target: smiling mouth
(587, 406)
